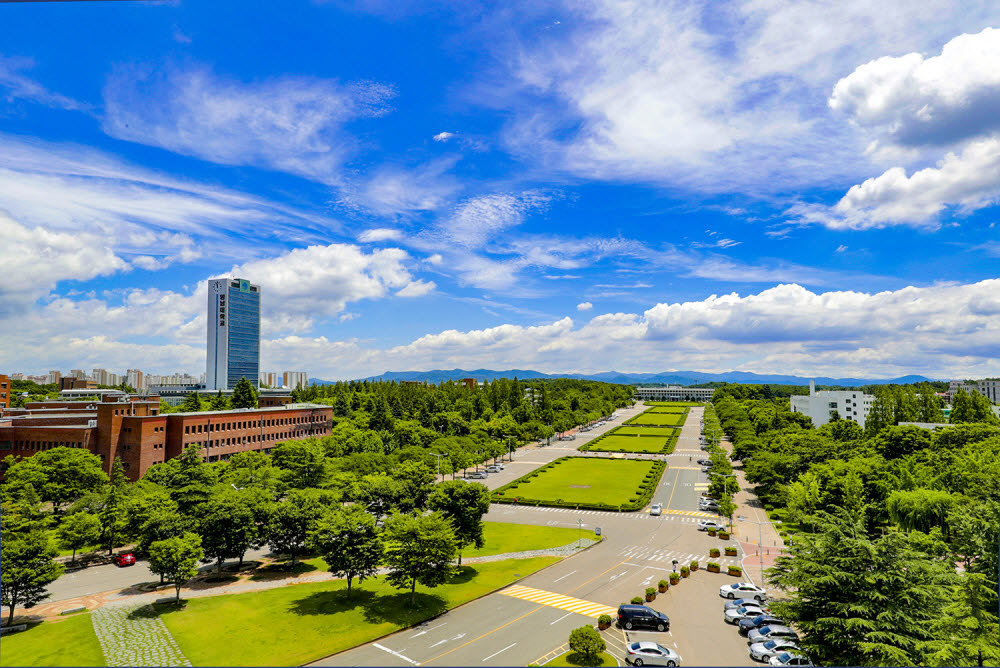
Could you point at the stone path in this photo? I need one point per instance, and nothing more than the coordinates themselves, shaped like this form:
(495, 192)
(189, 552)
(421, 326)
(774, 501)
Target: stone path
(131, 634)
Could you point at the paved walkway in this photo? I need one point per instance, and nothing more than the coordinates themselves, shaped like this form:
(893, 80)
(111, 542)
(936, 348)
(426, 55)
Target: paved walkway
(131, 634)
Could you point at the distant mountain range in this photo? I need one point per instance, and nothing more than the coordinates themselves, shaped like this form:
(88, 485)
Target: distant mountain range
(667, 377)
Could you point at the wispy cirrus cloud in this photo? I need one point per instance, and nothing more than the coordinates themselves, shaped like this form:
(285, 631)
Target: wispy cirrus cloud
(15, 84)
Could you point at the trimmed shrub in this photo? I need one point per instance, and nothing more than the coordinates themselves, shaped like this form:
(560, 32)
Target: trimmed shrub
(724, 535)
(604, 621)
(730, 551)
(637, 600)
(685, 571)
(714, 552)
(674, 578)
(663, 586)
(650, 593)
(694, 565)
(735, 570)
(712, 567)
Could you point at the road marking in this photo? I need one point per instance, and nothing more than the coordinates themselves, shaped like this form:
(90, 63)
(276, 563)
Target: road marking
(503, 650)
(396, 654)
(430, 629)
(588, 608)
(484, 635)
(561, 618)
(565, 576)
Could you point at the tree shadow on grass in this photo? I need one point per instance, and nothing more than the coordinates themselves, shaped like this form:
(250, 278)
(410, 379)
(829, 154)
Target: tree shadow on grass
(465, 574)
(282, 571)
(375, 609)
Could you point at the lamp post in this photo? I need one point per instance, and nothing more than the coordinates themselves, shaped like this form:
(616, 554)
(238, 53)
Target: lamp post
(579, 537)
(725, 486)
(760, 540)
(438, 461)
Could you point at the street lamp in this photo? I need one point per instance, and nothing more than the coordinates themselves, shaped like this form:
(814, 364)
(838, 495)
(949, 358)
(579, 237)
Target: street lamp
(725, 487)
(438, 461)
(760, 540)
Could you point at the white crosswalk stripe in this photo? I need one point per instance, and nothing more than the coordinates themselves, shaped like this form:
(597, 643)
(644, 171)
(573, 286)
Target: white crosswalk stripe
(645, 553)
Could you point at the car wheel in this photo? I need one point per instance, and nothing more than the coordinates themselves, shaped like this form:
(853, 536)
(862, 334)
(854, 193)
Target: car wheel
(671, 663)
(637, 662)
(730, 595)
(759, 599)
(628, 625)
(661, 628)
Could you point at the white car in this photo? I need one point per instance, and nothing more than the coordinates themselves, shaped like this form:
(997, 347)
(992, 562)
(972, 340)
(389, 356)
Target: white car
(789, 659)
(734, 615)
(706, 525)
(650, 654)
(742, 590)
(656, 509)
(493, 469)
(763, 651)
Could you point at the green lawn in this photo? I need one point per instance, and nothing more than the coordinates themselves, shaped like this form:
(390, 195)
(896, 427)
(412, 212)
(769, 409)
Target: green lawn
(668, 409)
(673, 403)
(289, 626)
(619, 443)
(658, 419)
(67, 642)
(645, 431)
(504, 538)
(576, 659)
(583, 480)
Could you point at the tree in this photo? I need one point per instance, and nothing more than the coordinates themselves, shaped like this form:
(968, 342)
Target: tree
(192, 403)
(161, 524)
(219, 402)
(176, 559)
(418, 548)
(588, 642)
(293, 519)
(114, 517)
(966, 633)
(251, 469)
(464, 505)
(380, 419)
(79, 530)
(349, 543)
(188, 477)
(228, 528)
(970, 407)
(303, 463)
(60, 475)
(244, 395)
(26, 569)
(858, 601)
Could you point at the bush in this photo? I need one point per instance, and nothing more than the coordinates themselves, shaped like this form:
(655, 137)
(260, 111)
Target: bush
(724, 535)
(674, 578)
(694, 565)
(713, 567)
(714, 552)
(685, 571)
(735, 570)
(604, 621)
(663, 585)
(637, 600)
(587, 641)
(730, 551)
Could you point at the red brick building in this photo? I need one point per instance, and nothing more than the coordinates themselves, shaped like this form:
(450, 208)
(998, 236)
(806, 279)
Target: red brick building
(5, 392)
(133, 429)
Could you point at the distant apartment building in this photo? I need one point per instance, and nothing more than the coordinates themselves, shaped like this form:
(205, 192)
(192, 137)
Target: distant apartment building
(78, 373)
(294, 380)
(233, 350)
(6, 392)
(100, 376)
(135, 379)
(989, 388)
(53, 376)
(133, 428)
(270, 378)
(673, 393)
(852, 405)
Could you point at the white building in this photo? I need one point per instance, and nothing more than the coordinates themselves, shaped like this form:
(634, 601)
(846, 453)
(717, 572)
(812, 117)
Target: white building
(233, 333)
(673, 393)
(271, 378)
(294, 380)
(852, 405)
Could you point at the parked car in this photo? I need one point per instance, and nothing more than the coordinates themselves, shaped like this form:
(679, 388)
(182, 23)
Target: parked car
(706, 469)
(708, 503)
(771, 632)
(655, 509)
(740, 602)
(743, 590)
(124, 559)
(734, 615)
(705, 525)
(705, 462)
(477, 475)
(493, 469)
(639, 616)
(650, 654)
(789, 659)
(748, 624)
(763, 651)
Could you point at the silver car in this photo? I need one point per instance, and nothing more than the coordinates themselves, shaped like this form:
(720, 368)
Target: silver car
(742, 590)
(789, 659)
(771, 632)
(706, 525)
(655, 509)
(763, 651)
(650, 654)
(734, 615)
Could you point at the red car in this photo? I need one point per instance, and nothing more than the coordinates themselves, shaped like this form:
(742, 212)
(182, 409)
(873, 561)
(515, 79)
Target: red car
(125, 559)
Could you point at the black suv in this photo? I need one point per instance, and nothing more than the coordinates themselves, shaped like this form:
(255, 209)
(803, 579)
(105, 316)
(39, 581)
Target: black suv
(640, 617)
(757, 622)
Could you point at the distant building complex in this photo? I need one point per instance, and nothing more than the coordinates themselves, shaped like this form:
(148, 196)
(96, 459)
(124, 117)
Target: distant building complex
(852, 405)
(673, 393)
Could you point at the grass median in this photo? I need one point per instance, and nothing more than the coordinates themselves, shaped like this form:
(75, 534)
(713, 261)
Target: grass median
(626, 443)
(504, 538)
(658, 419)
(586, 481)
(66, 642)
(289, 626)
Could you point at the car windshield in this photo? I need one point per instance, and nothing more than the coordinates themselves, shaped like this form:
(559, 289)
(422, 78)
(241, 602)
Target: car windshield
(784, 657)
(734, 586)
(771, 644)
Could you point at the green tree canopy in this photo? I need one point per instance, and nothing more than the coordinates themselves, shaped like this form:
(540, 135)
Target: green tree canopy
(26, 569)
(59, 475)
(419, 548)
(244, 395)
(587, 641)
(176, 559)
(349, 543)
(464, 505)
(79, 530)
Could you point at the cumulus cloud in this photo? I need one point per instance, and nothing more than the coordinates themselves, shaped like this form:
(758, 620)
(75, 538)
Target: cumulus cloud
(379, 234)
(289, 124)
(443, 136)
(936, 100)
(584, 306)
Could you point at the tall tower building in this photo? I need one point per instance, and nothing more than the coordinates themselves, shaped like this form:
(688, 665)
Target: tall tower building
(233, 333)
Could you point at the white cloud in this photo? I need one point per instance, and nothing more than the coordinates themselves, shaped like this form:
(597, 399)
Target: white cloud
(417, 288)
(584, 306)
(443, 136)
(721, 243)
(379, 234)
(936, 100)
(393, 190)
(476, 220)
(841, 248)
(291, 124)
(19, 86)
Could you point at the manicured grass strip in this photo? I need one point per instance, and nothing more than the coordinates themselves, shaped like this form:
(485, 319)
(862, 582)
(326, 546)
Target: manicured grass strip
(584, 482)
(505, 538)
(657, 419)
(67, 642)
(668, 409)
(575, 659)
(644, 431)
(645, 444)
(289, 626)
(674, 403)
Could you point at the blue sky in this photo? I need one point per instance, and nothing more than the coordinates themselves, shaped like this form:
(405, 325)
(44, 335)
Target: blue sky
(583, 186)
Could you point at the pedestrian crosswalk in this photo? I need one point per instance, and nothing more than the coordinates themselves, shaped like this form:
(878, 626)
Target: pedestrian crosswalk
(567, 603)
(644, 553)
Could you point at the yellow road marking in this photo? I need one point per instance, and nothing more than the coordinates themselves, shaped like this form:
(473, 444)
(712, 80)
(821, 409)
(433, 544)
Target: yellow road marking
(673, 488)
(559, 601)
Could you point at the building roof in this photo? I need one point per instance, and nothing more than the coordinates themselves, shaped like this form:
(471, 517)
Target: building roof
(243, 411)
